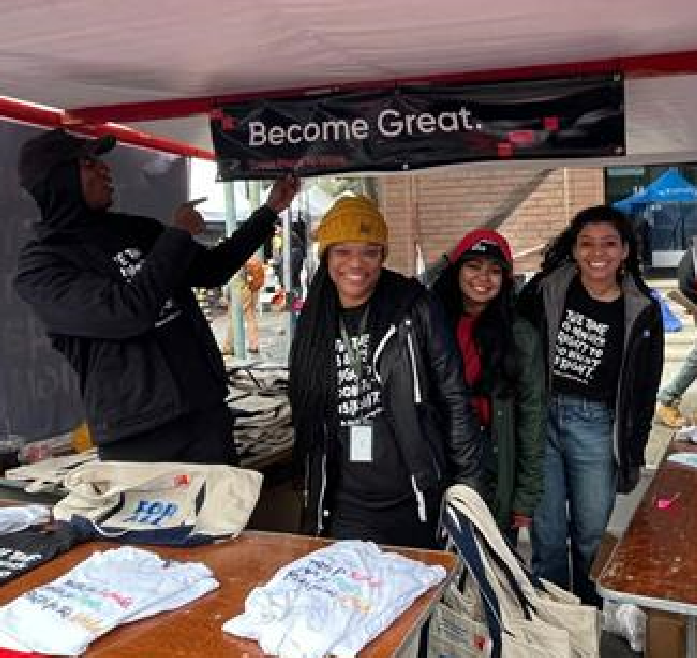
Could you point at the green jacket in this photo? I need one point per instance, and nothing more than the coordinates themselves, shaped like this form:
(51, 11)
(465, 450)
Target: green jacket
(518, 431)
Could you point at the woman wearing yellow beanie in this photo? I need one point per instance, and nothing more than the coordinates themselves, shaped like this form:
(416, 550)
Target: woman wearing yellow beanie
(381, 416)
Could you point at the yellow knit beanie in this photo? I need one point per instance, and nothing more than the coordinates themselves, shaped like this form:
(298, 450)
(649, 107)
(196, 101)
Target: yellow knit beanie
(352, 219)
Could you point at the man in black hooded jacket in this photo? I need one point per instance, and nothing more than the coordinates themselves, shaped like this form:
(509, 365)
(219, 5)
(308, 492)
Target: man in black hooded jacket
(114, 292)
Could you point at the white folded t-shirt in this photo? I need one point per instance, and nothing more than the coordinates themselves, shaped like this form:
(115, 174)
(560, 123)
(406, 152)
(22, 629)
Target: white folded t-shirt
(107, 589)
(20, 517)
(333, 601)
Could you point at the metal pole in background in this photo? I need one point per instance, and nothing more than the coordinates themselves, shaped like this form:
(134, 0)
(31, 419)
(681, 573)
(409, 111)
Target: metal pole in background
(309, 266)
(254, 196)
(235, 315)
(286, 263)
(291, 292)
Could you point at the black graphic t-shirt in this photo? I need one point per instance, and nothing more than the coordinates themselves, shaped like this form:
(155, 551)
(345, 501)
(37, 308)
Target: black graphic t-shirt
(357, 399)
(23, 551)
(589, 346)
(383, 480)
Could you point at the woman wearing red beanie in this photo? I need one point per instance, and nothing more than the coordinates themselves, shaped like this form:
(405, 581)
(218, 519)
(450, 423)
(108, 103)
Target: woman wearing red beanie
(504, 369)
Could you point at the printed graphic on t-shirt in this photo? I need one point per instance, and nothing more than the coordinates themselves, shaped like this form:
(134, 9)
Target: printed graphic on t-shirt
(336, 581)
(108, 589)
(129, 262)
(580, 347)
(333, 601)
(26, 549)
(357, 400)
(14, 562)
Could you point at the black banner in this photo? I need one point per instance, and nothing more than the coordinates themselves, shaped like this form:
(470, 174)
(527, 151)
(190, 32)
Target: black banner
(411, 127)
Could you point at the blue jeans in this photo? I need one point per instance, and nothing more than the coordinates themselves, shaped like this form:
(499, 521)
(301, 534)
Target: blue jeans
(579, 467)
(676, 387)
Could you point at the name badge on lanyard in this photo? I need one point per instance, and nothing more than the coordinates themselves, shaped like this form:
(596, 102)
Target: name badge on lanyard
(360, 435)
(361, 443)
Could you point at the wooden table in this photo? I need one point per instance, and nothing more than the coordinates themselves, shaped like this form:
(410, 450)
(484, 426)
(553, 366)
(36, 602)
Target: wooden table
(239, 565)
(654, 564)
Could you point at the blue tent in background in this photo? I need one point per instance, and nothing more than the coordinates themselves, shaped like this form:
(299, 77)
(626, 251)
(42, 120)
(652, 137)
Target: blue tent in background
(671, 322)
(669, 187)
(665, 218)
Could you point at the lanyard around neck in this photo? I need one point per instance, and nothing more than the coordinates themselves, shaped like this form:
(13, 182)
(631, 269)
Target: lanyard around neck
(354, 355)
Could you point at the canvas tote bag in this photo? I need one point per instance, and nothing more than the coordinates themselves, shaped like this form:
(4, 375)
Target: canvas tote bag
(504, 625)
(551, 603)
(160, 502)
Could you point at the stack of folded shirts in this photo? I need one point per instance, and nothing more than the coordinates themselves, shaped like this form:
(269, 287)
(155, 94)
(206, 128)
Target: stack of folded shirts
(259, 402)
(108, 589)
(49, 474)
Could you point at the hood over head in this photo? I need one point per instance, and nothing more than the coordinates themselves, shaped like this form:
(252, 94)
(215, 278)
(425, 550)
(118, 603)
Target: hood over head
(49, 169)
(40, 155)
(61, 203)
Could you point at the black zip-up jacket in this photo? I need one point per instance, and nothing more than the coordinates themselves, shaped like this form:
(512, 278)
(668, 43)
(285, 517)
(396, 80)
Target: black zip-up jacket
(424, 401)
(542, 302)
(103, 323)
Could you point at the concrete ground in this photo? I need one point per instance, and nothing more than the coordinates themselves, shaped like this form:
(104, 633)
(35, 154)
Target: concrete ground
(273, 334)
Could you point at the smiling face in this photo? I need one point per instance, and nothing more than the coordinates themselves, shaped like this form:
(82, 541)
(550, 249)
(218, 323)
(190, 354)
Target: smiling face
(480, 281)
(97, 188)
(599, 253)
(355, 267)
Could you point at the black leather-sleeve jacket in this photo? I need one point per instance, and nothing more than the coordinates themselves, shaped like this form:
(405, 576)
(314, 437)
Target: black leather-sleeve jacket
(426, 404)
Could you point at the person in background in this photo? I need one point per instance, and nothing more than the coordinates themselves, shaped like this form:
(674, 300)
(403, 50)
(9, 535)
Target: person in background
(381, 414)
(603, 338)
(114, 293)
(277, 253)
(298, 252)
(669, 397)
(504, 369)
(254, 276)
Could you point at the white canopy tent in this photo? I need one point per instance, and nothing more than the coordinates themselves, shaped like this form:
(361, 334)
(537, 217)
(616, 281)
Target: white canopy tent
(77, 54)
(161, 66)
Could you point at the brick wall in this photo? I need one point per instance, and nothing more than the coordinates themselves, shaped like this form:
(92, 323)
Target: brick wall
(549, 209)
(528, 206)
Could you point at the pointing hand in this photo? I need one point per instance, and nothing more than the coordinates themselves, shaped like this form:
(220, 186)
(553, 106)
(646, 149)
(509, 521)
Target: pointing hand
(189, 219)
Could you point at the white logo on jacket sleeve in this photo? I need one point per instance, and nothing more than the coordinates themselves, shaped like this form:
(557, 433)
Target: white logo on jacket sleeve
(130, 261)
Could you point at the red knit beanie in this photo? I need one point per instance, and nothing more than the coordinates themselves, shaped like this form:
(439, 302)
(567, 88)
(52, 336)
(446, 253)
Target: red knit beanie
(483, 242)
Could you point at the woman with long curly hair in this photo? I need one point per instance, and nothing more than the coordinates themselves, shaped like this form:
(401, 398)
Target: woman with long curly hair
(504, 369)
(380, 411)
(603, 338)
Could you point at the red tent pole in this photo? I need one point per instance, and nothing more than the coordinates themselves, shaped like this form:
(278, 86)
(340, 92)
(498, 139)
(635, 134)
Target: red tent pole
(48, 117)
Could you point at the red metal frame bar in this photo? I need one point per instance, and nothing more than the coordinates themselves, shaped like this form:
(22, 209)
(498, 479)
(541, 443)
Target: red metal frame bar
(49, 117)
(638, 66)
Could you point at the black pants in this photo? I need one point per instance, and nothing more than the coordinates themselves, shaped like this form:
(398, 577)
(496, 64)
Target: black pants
(199, 437)
(397, 525)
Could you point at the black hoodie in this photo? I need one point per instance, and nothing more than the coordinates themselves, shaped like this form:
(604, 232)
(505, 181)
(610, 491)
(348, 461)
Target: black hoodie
(114, 292)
